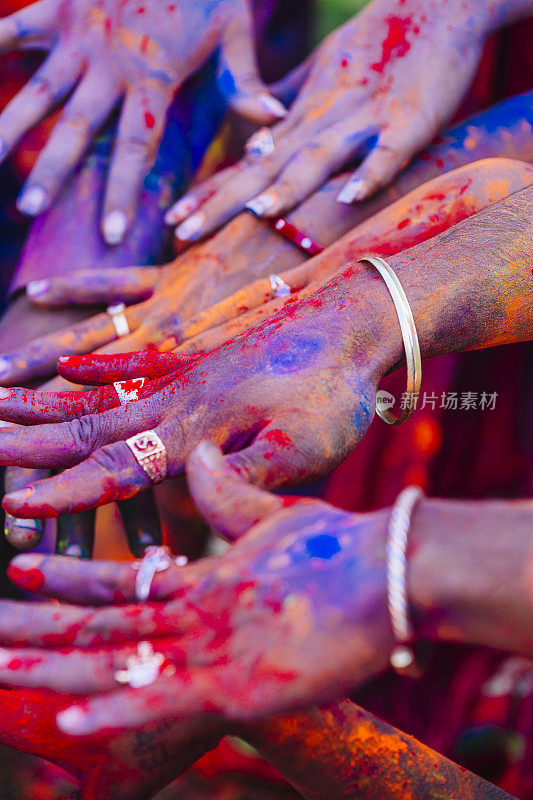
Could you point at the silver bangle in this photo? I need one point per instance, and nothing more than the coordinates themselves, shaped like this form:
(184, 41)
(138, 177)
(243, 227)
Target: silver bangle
(410, 342)
(402, 656)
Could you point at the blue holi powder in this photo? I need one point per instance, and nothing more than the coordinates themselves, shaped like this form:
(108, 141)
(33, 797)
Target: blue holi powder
(323, 546)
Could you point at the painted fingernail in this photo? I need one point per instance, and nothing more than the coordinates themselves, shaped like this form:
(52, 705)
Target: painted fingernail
(33, 201)
(74, 720)
(191, 229)
(261, 204)
(354, 190)
(5, 393)
(181, 210)
(28, 578)
(272, 105)
(37, 288)
(114, 227)
(5, 366)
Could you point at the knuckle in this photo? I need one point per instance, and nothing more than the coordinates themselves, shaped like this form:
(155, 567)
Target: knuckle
(84, 433)
(108, 459)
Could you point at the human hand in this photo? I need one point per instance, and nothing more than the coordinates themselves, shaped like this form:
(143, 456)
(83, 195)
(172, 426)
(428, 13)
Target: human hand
(291, 614)
(270, 412)
(379, 88)
(138, 53)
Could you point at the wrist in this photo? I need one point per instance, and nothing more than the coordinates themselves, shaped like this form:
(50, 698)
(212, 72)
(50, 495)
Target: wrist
(484, 595)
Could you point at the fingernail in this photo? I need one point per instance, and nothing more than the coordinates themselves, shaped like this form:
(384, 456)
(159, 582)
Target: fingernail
(191, 228)
(74, 720)
(261, 204)
(3, 148)
(354, 190)
(5, 393)
(30, 579)
(5, 658)
(37, 288)
(5, 366)
(114, 227)
(272, 105)
(33, 201)
(20, 495)
(181, 210)
(208, 454)
(63, 359)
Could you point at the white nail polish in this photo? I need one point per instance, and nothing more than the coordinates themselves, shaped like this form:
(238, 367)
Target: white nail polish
(272, 105)
(37, 288)
(354, 190)
(33, 201)
(73, 720)
(114, 227)
(181, 210)
(260, 205)
(191, 228)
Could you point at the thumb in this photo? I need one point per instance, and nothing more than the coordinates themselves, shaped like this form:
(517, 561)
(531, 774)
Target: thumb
(227, 501)
(238, 72)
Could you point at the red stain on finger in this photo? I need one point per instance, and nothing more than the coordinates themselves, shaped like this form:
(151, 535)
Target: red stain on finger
(149, 120)
(32, 580)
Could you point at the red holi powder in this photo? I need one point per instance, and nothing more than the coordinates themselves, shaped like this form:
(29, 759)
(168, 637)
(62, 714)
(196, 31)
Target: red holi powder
(279, 438)
(171, 8)
(149, 120)
(344, 63)
(396, 44)
(32, 580)
(403, 224)
(141, 10)
(440, 163)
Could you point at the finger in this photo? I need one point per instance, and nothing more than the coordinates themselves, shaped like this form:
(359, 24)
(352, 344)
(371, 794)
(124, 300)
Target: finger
(29, 27)
(108, 474)
(187, 693)
(239, 77)
(75, 672)
(377, 170)
(75, 535)
(91, 287)
(224, 498)
(31, 407)
(105, 369)
(309, 169)
(85, 112)
(209, 339)
(197, 196)
(43, 91)
(277, 456)
(38, 359)
(235, 193)
(141, 127)
(23, 534)
(91, 583)
(57, 446)
(141, 522)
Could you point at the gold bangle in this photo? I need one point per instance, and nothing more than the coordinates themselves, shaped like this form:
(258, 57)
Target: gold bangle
(410, 343)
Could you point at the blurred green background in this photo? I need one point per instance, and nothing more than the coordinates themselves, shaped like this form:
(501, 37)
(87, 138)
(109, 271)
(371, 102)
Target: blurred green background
(332, 13)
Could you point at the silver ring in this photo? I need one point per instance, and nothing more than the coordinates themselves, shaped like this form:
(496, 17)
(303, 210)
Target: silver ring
(150, 453)
(278, 286)
(261, 143)
(143, 668)
(156, 558)
(118, 318)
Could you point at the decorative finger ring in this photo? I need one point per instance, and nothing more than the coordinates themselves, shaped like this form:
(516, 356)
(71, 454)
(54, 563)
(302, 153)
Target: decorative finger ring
(156, 558)
(150, 453)
(143, 668)
(261, 143)
(278, 286)
(129, 391)
(118, 318)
